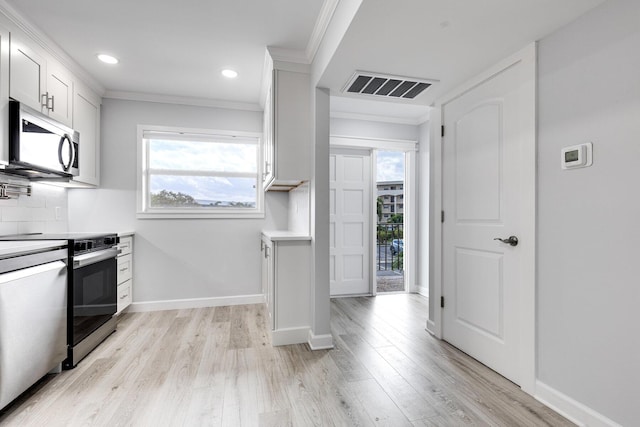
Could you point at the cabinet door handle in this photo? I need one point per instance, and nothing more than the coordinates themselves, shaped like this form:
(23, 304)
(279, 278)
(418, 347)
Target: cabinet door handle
(44, 100)
(52, 108)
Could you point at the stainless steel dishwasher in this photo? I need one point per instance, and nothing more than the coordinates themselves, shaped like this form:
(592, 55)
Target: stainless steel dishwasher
(33, 313)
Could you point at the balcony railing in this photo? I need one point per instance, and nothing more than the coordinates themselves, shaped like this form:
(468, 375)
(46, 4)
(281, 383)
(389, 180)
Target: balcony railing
(389, 247)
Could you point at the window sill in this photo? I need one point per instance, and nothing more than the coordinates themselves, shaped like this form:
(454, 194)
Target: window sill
(200, 215)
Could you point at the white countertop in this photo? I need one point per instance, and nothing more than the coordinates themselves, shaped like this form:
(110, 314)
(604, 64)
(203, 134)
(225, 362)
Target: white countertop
(126, 233)
(276, 235)
(18, 247)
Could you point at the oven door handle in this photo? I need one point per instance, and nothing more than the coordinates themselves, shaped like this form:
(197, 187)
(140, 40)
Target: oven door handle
(93, 257)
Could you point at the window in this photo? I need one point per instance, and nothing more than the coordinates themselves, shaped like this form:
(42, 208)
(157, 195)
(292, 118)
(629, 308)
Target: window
(187, 173)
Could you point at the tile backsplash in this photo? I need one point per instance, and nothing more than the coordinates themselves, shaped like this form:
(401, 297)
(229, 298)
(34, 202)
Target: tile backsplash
(45, 211)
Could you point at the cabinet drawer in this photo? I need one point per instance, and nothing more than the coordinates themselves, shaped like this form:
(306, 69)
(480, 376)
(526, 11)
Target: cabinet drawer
(124, 295)
(124, 268)
(125, 245)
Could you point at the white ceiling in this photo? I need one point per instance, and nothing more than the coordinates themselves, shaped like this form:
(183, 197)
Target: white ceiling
(446, 40)
(178, 48)
(175, 48)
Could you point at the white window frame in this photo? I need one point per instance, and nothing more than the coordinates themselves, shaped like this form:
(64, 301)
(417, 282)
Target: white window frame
(143, 210)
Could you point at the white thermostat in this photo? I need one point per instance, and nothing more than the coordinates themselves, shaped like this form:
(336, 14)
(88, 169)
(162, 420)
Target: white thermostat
(577, 156)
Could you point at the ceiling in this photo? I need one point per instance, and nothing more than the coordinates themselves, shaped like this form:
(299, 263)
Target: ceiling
(175, 48)
(178, 49)
(445, 40)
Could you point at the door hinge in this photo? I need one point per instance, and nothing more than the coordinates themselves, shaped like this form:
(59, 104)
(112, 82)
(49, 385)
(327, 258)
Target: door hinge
(442, 131)
(441, 302)
(441, 216)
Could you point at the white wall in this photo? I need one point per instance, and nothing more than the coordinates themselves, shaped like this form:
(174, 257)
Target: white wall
(588, 285)
(45, 211)
(372, 129)
(173, 259)
(299, 214)
(320, 304)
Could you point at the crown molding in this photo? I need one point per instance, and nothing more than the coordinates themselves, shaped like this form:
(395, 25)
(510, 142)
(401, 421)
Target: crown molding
(22, 24)
(288, 60)
(322, 23)
(182, 100)
(288, 55)
(297, 60)
(320, 28)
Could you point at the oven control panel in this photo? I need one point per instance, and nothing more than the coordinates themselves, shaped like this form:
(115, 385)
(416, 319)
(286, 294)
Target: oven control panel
(94, 244)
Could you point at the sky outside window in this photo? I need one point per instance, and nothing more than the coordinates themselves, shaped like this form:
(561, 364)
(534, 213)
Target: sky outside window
(197, 170)
(390, 166)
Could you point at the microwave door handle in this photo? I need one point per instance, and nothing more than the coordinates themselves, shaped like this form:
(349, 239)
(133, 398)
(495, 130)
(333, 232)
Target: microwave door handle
(67, 166)
(60, 151)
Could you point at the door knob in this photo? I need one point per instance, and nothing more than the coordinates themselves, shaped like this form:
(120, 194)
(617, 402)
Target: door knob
(512, 240)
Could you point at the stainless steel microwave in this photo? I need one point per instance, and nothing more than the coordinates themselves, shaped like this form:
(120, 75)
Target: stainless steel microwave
(40, 147)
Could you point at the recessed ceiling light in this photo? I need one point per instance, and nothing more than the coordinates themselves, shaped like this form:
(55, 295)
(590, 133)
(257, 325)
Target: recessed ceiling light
(108, 59)
(230, 74)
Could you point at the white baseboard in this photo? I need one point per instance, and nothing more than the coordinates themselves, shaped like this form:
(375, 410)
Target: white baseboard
(422, 290)
(320, 342)
(571, 409)
(431, 328)
(176, 304)
(288, 336)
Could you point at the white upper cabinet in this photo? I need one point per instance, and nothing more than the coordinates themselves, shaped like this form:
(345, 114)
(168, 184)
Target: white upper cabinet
(4, 95)
(287, 131)
(59, 93)
(28, 71)
(34, 77)
(42, 84)
(267, 168)
(86, 120)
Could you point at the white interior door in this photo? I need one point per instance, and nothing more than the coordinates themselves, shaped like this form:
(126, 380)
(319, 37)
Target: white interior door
(484, 147)
(349, 221)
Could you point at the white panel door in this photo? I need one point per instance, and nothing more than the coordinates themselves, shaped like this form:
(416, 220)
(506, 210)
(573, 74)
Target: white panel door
(482, 283)
(349, 222)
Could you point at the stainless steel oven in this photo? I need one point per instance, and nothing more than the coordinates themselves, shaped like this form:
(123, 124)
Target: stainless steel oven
(92, 288)
(92, 298)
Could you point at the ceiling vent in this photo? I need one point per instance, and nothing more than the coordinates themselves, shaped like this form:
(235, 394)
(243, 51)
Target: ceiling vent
(385, 85)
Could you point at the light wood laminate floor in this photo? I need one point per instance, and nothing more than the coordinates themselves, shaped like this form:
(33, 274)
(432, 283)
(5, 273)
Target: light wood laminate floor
(216, 366)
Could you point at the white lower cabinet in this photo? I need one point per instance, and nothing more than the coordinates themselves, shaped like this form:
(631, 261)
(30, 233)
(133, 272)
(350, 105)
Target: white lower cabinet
(125, 273)
(285, 284)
